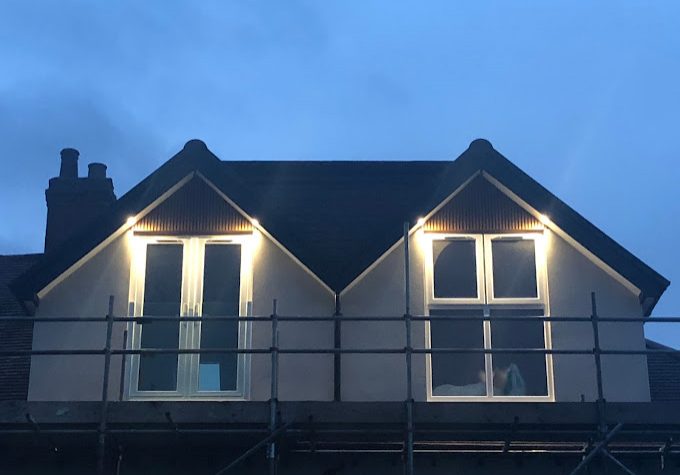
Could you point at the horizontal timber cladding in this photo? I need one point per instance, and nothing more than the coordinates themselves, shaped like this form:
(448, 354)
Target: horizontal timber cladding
(480, 207)
(194, 209)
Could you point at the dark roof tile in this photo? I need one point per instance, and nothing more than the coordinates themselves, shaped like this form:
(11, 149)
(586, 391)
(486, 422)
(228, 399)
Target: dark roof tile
(14, 335)
(664, 373)
(339, 217)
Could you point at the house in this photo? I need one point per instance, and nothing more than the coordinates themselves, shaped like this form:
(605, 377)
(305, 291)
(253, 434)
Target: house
(342, 314)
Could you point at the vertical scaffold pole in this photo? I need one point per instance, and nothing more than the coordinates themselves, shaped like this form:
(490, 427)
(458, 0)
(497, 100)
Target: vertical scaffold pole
(337, 357)
(273, 403)
(101, 442)
(597, 349)
(409, 352)
(121, 384)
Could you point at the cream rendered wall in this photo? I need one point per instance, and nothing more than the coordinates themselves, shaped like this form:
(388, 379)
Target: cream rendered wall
(571, 278)
(85, 293)
(304, 376)
(380, 293)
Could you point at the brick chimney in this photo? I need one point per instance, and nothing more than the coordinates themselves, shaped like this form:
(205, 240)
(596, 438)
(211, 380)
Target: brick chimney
(73, 202)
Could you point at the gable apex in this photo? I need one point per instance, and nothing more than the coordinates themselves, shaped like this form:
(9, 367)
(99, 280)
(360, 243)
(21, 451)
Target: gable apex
(480, 207)
(195, 208)
(338, 218)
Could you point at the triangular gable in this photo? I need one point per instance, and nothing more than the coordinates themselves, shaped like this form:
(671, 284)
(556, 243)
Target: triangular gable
(194, 163)
(345, 196)
(162, 181)
(480, 207)
(482, 159)
(195, 208)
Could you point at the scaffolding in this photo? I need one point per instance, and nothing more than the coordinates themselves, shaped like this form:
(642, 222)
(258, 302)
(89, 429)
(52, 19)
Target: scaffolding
(606, 438)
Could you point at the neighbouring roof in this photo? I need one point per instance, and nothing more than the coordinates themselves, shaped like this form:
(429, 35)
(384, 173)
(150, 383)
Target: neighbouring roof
(338, 217)
(664, 373)
(14, 335)
(11, 267)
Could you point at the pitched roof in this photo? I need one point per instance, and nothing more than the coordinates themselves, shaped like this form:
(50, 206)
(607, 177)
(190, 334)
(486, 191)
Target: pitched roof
(664, 373)
(339, 217)
(12, 266)
(14, 335)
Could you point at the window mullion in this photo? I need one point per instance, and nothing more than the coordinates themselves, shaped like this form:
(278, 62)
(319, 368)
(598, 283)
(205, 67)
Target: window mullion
(190, 328)
(485, 270)
(488, 366)
(199, 259)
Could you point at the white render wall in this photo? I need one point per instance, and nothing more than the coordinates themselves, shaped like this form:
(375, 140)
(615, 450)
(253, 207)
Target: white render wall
(301, 377)
(571, 279)
(381, 293)
(85, 293)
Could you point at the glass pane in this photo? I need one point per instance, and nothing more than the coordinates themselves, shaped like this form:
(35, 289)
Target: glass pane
(221, 297)
(518, 374)
(162, 297)
(514, 268)
(457, 374)
(455, 269)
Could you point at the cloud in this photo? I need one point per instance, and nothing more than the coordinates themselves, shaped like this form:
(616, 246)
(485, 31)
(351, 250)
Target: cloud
(36, 123)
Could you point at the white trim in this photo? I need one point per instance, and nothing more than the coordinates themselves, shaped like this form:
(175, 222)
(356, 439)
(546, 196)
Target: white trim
(561, 233)
(189, 333)
(541, 302)
(137, 283)
(112, 237)
(541, 217)
(133, 219)
(428, 255)
(451, 196)
(539, 268)
(256, 224)
(417, 226)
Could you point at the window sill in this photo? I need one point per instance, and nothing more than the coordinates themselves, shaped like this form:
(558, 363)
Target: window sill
(437, 399)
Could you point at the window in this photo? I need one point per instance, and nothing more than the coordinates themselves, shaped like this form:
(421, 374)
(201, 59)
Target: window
(189, 277)
(458, 374)
(457, 265)
(221, 296)
(162, 297)
(514, 268)
(472, 276)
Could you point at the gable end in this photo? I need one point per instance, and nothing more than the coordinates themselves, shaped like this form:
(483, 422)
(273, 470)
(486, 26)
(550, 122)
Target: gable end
(480, 207)
(194, 209)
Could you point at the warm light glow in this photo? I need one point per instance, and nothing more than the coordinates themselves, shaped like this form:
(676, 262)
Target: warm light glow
(130, 221)
(255, 223)
(544, 219)
(255, 241)
(421, 222)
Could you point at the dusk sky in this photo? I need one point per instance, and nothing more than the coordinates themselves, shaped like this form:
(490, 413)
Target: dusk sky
(583, 96)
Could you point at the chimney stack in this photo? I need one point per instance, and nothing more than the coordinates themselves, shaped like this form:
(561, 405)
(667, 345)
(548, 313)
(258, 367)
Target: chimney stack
(73, 202)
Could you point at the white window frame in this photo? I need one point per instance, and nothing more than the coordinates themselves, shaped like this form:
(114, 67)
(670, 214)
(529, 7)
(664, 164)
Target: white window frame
(485, 305)
(191, 302)
(479, 261)
(540, 266)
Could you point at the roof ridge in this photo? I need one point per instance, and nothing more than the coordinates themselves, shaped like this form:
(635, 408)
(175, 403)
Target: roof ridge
(27, 254)
(340, 195)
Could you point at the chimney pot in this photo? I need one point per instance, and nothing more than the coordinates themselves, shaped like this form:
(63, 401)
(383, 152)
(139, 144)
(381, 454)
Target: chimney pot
(73, 203)
(69, 163)
(96, 170)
